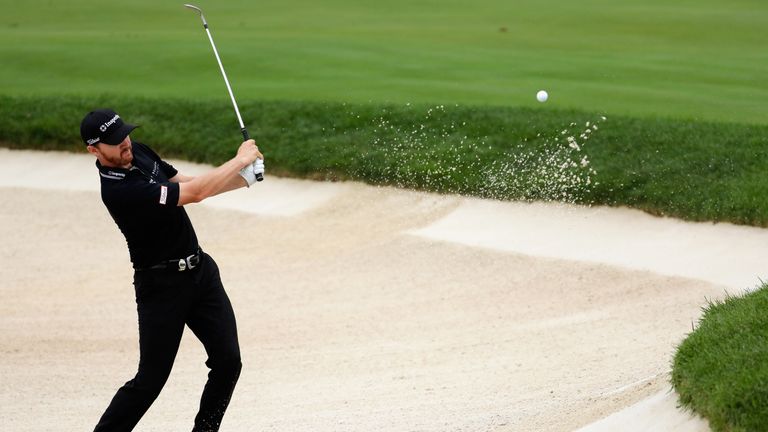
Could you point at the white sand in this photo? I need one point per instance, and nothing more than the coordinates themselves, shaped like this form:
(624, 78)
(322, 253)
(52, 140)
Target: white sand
(355, 312)
(723, 254)
(69, 172)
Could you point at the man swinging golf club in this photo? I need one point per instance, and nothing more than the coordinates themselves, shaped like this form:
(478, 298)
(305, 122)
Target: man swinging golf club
(176, 283)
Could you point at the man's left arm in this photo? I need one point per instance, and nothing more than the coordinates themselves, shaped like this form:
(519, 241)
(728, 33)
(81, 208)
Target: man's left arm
(181, 178)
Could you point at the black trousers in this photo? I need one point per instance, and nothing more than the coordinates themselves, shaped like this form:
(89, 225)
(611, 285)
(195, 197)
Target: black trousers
(166, 301)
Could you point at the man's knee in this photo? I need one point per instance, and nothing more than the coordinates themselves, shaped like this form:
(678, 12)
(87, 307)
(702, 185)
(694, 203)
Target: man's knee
(151, 381)
(229, 365)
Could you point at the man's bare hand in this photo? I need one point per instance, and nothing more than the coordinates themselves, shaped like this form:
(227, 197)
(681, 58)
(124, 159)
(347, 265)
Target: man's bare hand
(248, 152)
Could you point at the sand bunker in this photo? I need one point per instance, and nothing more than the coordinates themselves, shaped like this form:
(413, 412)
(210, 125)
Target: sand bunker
(354, 313)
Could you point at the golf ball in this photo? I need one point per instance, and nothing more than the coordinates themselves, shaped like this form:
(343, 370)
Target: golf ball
(542, 96)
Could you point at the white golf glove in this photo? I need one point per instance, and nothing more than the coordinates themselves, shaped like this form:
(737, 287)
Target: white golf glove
(258, 167)
(249, 172)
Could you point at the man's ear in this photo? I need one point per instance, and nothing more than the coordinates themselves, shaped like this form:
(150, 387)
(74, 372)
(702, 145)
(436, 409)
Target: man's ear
(93, 150)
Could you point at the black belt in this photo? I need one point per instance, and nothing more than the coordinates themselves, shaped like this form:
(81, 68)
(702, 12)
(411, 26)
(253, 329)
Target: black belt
(179, 264)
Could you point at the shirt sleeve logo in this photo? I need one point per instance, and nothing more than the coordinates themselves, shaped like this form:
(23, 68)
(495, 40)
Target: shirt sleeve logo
(163, 194)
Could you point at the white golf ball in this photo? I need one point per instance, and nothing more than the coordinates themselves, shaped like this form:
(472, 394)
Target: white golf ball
(542, 96)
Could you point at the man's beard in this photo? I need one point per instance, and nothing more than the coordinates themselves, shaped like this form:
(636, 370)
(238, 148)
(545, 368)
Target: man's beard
(123, 159)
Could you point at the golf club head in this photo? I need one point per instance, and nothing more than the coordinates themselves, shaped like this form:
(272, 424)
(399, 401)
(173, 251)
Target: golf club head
(200, 11)
(193, 7)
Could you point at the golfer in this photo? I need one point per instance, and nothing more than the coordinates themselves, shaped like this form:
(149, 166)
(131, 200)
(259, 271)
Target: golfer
(176, 282)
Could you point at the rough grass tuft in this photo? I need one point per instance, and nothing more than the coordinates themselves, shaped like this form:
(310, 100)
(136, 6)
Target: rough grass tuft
(720, 370)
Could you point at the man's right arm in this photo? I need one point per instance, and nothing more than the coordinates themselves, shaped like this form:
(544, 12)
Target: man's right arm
(221, 179)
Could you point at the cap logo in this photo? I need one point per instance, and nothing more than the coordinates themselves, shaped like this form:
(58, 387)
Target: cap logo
(104, 127)
(93, 141)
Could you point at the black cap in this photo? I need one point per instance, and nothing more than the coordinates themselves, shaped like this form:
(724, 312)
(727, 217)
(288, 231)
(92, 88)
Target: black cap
(104, 126)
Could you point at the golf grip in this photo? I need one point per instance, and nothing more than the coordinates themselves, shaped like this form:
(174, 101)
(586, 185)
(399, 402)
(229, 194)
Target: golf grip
(246, 137)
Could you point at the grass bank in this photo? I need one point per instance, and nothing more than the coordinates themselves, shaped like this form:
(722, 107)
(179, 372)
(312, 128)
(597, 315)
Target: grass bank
(701, 171)
(720, 370)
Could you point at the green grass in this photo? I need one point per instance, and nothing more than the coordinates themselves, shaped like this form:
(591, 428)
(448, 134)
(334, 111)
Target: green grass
(701, 59)
(702, 171)
(720, 370)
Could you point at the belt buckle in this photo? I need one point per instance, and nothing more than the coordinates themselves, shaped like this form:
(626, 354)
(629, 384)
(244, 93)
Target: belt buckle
(189, 261)
(186, 263)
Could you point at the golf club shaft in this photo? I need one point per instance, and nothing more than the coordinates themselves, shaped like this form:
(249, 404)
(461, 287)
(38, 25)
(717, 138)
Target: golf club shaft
(246, 137)
(226, 81)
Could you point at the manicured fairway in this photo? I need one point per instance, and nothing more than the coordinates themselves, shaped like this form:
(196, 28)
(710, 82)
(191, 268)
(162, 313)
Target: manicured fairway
(691, 59)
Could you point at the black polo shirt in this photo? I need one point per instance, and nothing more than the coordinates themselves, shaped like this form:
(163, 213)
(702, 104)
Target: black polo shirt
(144, 204)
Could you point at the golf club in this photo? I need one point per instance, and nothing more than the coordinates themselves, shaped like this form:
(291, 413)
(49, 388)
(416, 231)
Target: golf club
(246, 137)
